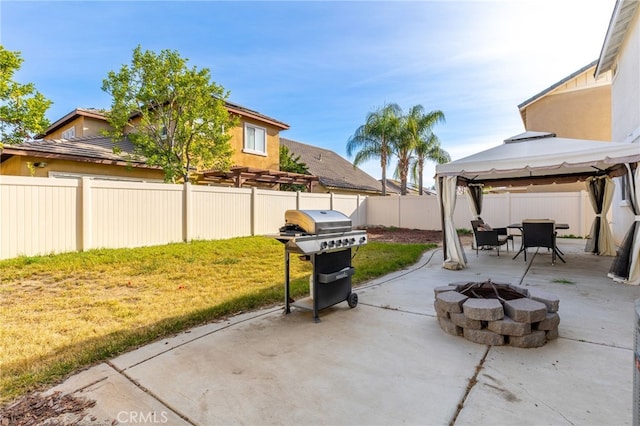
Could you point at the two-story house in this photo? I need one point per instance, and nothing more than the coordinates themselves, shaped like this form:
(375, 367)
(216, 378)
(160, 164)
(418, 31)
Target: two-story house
(73, 146)
(577, 107)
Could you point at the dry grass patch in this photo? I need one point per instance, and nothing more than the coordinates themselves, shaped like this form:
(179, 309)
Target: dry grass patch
(67, 311)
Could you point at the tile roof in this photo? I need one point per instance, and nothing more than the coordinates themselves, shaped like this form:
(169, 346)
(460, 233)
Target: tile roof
(100, 114)
(332, 170)
(89, 148)
(395, 186)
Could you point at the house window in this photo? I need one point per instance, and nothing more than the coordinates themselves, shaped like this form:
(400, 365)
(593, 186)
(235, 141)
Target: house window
(70, 133)
(255, 139)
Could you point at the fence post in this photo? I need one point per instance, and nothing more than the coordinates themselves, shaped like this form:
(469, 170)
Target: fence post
(298, 195)
(331, 201)
(254, 206)
(86, 230)
(187, 211)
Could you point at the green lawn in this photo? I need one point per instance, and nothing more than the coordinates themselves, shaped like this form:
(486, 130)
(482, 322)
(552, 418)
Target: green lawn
(63, 312)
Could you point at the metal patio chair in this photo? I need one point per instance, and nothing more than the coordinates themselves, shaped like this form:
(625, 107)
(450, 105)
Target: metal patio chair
(540, 233)
(488, 238)
(476, 224)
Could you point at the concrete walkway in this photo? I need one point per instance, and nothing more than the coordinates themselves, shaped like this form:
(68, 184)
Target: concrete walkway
(387, 362)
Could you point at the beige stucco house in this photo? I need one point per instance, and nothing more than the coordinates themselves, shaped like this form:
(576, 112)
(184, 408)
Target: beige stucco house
(74, 146)
(577, 107)
(620, 56)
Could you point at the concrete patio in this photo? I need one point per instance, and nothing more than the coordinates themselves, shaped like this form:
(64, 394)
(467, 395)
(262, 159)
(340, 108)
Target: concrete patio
(387, 361)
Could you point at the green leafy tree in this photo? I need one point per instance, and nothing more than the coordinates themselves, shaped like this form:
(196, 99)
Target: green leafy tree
(291, 163)
(417, 144)
(174, 115)
(22, 107)
(376, 138)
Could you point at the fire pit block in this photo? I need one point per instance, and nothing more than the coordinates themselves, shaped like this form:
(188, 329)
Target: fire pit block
(441, 312)
(484, 337)
(442, 289)
(550, 322)
(536, 339)
(525, 310)
(492, 313)
(553, 334)
(509, 327)
(461, 320)
(451, 301)
(449, 327)
(550, 300)
(483, 309)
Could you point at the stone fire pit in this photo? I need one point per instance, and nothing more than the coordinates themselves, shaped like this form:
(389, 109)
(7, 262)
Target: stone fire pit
(497, 314)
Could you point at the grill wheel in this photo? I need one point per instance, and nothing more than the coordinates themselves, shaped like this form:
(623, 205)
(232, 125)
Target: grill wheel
(352, 300)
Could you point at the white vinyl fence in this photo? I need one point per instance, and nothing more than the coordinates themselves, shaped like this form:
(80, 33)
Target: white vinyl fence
(499, 210)
(49, 215)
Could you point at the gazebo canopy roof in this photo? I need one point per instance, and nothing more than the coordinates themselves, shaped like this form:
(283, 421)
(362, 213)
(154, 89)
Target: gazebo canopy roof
(533, 158)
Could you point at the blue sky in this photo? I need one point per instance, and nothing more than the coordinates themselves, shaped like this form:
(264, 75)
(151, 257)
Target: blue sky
(322, 66)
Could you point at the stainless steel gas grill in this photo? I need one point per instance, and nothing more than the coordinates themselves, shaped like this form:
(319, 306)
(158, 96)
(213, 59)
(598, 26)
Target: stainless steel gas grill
(324, 237)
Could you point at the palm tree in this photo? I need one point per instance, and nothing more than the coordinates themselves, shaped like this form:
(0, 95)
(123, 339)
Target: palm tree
(426, 146)
(376, 138)
(418, 143)
(430, 149)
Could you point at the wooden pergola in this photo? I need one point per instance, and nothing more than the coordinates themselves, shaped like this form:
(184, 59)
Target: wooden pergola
(239, 176)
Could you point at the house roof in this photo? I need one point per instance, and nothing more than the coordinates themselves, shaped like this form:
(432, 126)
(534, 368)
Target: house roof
(622, 15)
(93, 149)
(244, 111)
(333, 171)
(556, 85)
(78, 112)
(100, 115)
(395, 186)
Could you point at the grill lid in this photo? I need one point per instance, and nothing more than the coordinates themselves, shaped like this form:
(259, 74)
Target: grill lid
(317, 221)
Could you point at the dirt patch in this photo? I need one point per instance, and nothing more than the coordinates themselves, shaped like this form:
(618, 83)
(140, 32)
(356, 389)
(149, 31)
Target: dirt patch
(53, 409)
(404, 235)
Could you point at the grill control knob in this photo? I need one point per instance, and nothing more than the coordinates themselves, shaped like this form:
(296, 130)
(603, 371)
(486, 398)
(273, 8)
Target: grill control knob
(363, 239)
(332, 243)
(352, 241)
(323, 245)
(338, 243)
(345, 241)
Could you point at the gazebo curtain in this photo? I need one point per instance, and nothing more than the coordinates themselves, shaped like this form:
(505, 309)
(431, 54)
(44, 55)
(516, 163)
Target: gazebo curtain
(626, 265)
(452, 246)
(601, 194)
(474, 193)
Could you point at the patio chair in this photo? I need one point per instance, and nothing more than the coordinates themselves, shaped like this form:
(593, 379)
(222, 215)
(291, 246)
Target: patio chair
(480, 224)
(540, 233)
(488, 238)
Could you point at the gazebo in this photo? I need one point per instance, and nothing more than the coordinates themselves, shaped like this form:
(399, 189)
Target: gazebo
(538, 158)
